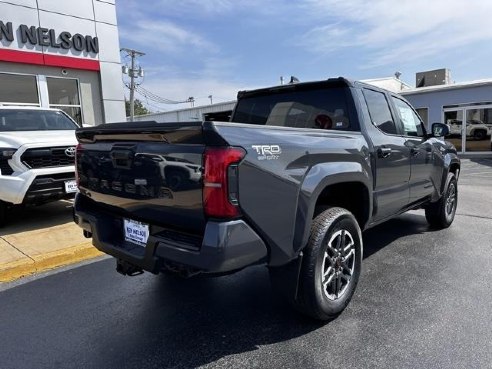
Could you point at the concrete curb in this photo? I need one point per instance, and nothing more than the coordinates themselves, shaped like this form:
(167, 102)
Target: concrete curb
(43, 262)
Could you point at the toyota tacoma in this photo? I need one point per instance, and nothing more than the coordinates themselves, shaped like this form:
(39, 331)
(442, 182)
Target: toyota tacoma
(289, 183)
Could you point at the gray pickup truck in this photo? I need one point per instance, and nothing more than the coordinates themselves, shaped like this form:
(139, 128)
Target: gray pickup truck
(292, 186)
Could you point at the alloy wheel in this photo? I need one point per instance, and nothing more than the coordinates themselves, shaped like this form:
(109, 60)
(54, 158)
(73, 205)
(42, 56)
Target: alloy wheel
(451, 199)
(338, 264)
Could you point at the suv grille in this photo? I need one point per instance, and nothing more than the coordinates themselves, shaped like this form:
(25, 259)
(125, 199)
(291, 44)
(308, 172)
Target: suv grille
(48, 187)
(47, 157)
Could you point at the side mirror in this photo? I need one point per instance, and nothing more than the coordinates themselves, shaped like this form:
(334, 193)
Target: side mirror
(440, 130)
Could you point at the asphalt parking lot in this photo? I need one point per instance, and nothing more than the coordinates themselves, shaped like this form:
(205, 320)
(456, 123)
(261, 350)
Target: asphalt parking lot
(423, 301)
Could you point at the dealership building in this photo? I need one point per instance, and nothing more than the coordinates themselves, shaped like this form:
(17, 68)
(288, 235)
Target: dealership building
(465, 106)
(62, 54)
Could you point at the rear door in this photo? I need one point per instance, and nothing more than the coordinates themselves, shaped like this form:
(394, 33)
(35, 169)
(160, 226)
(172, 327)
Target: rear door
(391, 157)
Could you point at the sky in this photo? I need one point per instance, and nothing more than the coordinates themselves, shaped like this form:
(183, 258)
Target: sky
(197, 48)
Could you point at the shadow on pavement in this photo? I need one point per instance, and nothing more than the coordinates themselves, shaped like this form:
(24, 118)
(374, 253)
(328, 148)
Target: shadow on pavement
(188, 323)
(24, 219)
(381, 236)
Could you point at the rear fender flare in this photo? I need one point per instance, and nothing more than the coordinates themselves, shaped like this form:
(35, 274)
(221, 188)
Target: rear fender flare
(316, 180)
(450, 160)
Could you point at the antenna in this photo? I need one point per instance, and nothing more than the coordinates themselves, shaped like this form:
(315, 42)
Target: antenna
(293, 80)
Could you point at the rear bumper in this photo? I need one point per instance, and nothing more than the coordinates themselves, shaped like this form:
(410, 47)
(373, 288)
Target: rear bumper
(225, 246)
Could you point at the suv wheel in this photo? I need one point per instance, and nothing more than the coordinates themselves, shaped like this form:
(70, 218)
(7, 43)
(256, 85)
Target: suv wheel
(479, 134)
(441, 213)
(331, 265)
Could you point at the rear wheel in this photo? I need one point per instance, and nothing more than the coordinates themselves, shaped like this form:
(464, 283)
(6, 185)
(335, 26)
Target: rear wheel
(331, 265)
(441, 213)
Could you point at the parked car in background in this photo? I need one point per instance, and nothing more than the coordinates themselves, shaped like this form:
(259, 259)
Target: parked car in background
(488, 124)
(37, 156)
(474, 128)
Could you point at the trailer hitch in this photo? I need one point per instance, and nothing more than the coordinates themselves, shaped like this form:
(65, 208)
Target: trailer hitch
(125, 268)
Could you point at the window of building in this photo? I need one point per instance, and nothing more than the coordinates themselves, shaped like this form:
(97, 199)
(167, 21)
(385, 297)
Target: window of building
(412, 126)
(18, 89)
(64, 94)
(478, 129)
(379, 111)
(470, 127)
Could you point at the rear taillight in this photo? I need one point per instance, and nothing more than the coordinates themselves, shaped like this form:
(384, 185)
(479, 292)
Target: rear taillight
(220, 185)
(77, 153)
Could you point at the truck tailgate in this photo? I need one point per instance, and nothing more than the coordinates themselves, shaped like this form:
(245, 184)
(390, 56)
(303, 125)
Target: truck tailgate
(148, 173)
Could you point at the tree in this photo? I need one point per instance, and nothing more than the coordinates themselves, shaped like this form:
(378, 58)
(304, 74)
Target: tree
(139, 108)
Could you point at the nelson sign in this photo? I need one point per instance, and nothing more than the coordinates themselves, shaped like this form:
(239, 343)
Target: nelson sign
(49, 37)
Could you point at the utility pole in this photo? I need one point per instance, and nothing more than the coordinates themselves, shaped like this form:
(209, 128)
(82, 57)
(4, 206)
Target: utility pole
(211, 101)
(133, 73)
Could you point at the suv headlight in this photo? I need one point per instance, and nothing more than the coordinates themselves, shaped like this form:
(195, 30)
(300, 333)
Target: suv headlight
(5, 155)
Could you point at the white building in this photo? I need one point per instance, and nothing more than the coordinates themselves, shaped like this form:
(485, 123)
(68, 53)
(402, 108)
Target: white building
(392, 84)
(466, 107)
(62, 54)
(219, 112)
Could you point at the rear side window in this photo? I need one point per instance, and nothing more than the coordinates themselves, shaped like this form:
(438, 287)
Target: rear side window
(317, 108)
(379, 111)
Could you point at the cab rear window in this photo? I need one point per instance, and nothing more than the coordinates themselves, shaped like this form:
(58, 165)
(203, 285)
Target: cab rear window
(314, 108)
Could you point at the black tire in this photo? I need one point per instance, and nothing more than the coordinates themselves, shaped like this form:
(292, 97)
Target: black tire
(331, 265)
(480, 134)
(441, 213)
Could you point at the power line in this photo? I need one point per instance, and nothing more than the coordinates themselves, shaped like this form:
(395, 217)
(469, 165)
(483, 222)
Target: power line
(161, 100)
(154, 97)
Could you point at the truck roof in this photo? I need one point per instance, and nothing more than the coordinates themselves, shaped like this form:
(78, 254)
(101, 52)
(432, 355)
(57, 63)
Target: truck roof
(331, 82)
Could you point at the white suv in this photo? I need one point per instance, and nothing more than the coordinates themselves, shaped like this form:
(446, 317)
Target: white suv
(37, 156)
(474, 128)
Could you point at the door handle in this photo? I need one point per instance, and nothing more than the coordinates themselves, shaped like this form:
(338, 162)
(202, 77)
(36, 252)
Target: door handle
(414, 152)
(384, 152)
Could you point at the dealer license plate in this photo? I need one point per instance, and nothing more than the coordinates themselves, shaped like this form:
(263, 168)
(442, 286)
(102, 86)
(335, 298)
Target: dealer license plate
(136, 232)
(71, 186)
